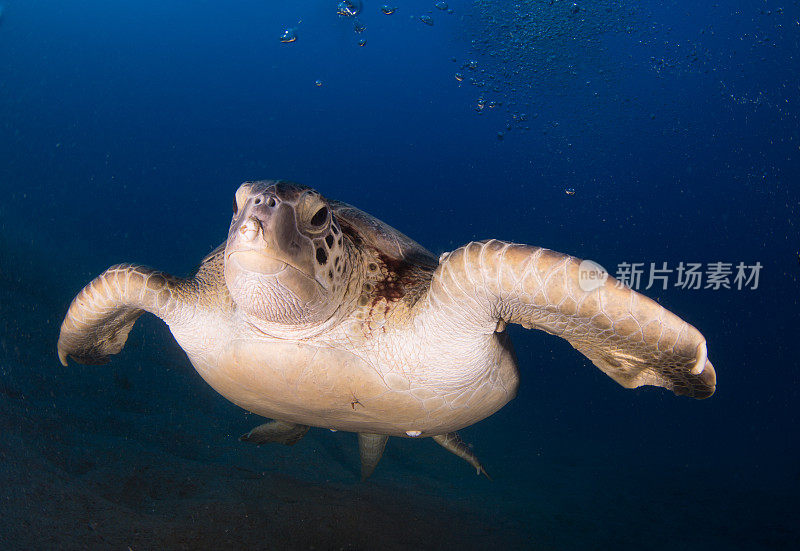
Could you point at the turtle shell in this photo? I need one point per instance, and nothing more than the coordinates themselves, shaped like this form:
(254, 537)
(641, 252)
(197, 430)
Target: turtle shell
(393, 246)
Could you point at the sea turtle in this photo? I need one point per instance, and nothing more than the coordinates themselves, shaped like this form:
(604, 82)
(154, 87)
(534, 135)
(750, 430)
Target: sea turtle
(314, 313)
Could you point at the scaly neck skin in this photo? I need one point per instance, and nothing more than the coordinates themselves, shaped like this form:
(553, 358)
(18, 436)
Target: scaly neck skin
(303, 330)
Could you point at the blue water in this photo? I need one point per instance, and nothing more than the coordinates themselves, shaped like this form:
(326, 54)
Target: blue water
(125, 128)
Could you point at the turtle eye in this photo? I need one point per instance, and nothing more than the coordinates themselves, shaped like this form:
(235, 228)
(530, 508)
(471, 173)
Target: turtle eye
(235, 207)
(320, 217)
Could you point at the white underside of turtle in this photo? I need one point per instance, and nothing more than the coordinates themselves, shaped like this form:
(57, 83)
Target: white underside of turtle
(314, 313)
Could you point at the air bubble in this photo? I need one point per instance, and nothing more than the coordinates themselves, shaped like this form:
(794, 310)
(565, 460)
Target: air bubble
(289, 35)
(427, 19)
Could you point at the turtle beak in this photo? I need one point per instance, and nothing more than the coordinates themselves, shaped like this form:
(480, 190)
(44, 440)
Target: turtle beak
(249, 252)
(251, 230)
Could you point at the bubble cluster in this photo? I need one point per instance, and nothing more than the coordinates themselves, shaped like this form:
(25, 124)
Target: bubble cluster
(349, 8)
(526, 45)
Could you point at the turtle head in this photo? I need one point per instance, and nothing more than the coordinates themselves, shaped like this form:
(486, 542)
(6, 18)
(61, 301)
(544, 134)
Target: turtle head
(285, 259)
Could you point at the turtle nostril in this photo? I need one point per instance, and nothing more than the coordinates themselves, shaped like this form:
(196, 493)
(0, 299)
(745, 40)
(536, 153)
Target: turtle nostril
(271, 202)
(257, 201)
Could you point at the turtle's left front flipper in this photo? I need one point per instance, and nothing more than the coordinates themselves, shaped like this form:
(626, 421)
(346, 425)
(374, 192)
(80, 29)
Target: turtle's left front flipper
(101, 316)
(482, 286)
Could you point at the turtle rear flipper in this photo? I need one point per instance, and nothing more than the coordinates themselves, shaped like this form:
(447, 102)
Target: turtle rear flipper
(453, 443)
(278, 432)
(370, 448)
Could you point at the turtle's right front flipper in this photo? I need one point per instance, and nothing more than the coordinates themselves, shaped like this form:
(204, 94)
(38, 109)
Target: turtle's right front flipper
(633, 339)
(101, 316)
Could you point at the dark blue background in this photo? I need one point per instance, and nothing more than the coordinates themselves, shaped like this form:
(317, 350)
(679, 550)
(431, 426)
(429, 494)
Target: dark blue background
(125, 128)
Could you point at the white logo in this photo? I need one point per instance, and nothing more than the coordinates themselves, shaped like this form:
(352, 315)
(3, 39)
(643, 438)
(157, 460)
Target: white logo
(591, 275)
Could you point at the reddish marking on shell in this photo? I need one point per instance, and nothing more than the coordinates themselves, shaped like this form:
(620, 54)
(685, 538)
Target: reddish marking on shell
(401, 277)
(396, 277)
